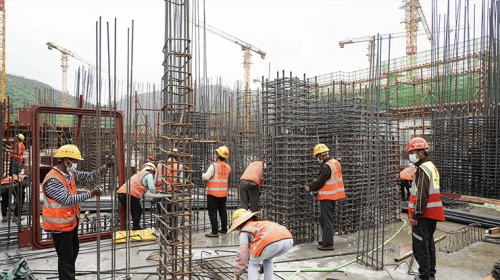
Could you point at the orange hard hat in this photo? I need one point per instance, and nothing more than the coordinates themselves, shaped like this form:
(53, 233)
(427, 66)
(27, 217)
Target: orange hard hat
(417, 144)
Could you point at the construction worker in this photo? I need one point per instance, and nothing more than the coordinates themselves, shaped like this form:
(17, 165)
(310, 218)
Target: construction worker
(424, 209)
(405, 178)
(249, 186)
(173, 170)
(61, 212)
(331, 188)
(260, 242)
(16, 158)
(18, 184)
(217, 176)
(140, 183)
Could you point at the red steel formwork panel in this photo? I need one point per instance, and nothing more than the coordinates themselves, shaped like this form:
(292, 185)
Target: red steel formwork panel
(29, 236)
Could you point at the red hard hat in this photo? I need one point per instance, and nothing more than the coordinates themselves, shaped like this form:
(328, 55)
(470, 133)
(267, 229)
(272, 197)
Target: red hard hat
(417, 144)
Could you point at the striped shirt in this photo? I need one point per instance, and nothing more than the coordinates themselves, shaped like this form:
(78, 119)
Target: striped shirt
(58, 192)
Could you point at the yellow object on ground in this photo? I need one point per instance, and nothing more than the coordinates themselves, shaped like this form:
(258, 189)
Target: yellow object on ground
(134, 235)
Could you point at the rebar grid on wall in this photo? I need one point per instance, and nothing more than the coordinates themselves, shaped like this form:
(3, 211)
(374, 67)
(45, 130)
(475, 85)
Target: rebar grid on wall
(176, 214)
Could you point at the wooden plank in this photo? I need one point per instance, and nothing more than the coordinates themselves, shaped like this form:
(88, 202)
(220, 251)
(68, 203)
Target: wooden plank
(494, 230)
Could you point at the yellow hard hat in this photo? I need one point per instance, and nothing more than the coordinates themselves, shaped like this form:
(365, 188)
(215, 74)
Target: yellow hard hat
(319, 149)
(239, 217)
(150, 164)
(69, 151)
(20, 136)
(223, 151)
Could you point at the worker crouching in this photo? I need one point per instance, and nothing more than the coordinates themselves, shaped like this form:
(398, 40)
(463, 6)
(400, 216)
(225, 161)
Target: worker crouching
(140, 183)
(260, 242)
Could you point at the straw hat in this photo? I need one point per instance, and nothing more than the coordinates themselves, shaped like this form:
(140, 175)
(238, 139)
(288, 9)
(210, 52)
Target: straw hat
(239, 217)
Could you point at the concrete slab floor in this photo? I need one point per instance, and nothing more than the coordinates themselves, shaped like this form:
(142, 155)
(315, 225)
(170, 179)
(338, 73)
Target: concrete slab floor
(472, 262)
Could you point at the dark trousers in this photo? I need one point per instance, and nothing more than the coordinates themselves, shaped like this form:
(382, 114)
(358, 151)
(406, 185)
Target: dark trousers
(405, 185)
(15, 167)
(67, 247)
(249, 192)
(135, 209)
(424, 248)
(326, 220)
(215, 204)
(19, 193)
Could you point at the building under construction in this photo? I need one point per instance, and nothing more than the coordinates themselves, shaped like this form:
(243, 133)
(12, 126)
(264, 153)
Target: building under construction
(448, 95)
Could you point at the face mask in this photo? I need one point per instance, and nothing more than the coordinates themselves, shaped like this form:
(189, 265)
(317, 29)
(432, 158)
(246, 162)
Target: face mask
(215, 158)
(413, 158)
(319, 160)
(72, 168)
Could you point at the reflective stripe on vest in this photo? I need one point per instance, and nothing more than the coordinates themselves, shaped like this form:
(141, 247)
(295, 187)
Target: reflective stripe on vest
(217, 185)
(137, 189)
(265, 233)
(333, 189)
(408, 173)
(57, 216)
(434, 208)
(254, 172)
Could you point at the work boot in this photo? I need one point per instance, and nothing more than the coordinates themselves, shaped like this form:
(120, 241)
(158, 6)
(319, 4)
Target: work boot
(221, 231)
(326, 248)
(320, 242)
(4, 219)
(261, 268)
(210, 234)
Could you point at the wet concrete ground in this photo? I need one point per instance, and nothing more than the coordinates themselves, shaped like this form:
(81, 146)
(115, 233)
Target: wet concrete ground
(472, 262)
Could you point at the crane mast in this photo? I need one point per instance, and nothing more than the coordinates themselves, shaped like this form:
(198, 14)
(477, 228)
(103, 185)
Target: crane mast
(64, 64)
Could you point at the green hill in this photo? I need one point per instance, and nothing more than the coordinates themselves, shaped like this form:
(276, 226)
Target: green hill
(22, 91)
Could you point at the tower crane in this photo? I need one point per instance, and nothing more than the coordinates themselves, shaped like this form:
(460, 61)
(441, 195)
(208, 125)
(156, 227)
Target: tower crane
(245, 47)
(413, 15)
(371, 41)
(2, 50)
(65, 53)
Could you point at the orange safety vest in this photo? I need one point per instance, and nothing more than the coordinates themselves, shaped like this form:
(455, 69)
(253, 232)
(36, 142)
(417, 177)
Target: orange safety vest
(13, 179)
(434, 208)
(408, 173)
(57, 216)
(170, 170)
(254, 172)
(265, 233)
(137, 189)
(217, 185)
(334, 186)
(20, 151)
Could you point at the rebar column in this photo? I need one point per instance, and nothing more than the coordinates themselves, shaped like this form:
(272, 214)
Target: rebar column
(176, 213)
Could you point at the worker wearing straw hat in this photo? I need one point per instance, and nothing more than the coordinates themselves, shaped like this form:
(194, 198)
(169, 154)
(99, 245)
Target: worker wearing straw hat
(260, 241)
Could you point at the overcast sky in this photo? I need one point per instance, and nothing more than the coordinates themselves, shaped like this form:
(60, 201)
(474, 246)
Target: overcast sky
(298, 36)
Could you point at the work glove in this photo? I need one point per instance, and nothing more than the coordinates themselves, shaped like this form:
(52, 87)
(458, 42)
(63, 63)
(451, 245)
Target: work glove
(97, 191)
(110, 161)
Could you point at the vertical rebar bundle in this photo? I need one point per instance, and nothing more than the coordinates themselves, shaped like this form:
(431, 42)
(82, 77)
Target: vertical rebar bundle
(288, 141)
(176, 213)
